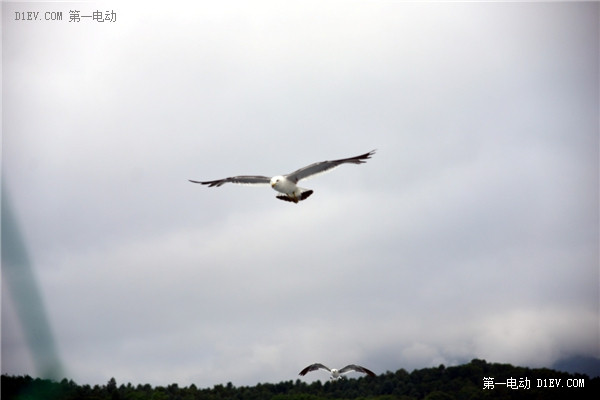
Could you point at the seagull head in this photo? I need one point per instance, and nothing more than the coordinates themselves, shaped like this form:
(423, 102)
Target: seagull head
(275, 180)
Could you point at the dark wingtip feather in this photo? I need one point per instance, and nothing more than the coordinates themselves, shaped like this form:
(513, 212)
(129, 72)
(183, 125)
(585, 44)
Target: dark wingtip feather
(369, 372)
(364, 157)
(209, 183)
(368, 155)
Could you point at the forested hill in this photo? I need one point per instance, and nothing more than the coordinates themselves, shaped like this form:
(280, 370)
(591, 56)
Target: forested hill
(475, 380)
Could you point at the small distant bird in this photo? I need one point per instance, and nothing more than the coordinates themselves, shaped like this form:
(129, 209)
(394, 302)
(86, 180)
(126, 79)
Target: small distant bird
(286, 184)
(335, 373)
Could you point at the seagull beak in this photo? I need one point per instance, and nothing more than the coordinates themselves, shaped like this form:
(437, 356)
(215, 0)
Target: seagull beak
(272, 184)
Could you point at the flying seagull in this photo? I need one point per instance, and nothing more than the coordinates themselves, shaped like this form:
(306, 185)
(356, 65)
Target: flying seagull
(335, 373)
(286, 184)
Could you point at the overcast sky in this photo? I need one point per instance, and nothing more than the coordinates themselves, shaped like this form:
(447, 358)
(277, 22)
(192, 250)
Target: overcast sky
(472, 232)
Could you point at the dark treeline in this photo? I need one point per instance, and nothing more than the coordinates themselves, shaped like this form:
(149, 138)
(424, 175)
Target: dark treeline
(441, 383)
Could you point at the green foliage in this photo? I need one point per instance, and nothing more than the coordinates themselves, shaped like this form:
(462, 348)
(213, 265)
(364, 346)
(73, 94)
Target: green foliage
(440, 383)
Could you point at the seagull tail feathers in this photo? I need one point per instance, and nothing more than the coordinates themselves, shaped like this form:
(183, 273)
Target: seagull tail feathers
(293, 199)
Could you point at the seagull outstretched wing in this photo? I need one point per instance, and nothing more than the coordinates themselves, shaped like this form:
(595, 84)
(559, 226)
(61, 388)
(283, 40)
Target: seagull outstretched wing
(324, 166)
(357, 368)
(242, 180)
(314, 367)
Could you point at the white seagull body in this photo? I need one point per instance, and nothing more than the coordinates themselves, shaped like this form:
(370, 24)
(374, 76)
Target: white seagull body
(287, 184)
(337, 373)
